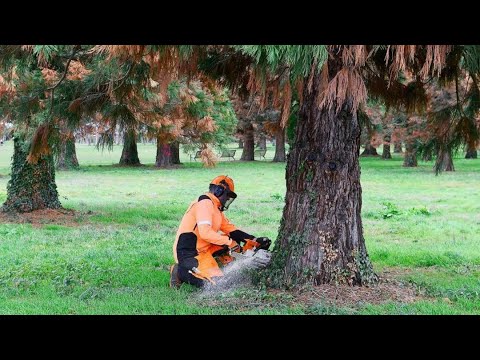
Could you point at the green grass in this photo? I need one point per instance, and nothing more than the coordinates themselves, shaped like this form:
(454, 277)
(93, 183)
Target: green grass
(117, 261)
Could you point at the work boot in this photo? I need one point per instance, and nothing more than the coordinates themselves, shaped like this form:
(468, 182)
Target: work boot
(175, 281)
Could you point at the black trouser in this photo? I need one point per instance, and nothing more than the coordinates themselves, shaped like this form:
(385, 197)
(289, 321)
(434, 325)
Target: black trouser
(185, 276)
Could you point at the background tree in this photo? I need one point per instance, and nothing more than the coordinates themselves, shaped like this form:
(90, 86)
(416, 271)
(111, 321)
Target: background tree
(246, 112)
(411, 141)
(277, 131)
(471, 149)
(210, 120)
(370, 120)
(173, 100)
(66, 158)
(381, 120)
(39, 83)
(451, 120)
(112, 91)
(257, 100)
(4, 129)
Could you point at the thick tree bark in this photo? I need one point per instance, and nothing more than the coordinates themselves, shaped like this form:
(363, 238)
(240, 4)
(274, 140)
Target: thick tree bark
(444, 161)
(370, 150)
(130, 152)
(240, 143)
(410, 159)
(175, 150)
(321, 236)
(164, 156)
(262, 141)
(31, 187)
(67, 157)
(280, 145)
(386, 154)
(471, 152)
(248, 144)
(97, 136)
(397, 147)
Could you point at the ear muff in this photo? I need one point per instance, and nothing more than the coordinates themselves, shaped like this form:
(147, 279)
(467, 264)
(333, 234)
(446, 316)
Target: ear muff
(219, 191)
(221, 188)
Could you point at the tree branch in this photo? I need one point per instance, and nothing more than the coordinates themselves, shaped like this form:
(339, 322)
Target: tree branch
(66, 68)
(123, 78)
(75, 48)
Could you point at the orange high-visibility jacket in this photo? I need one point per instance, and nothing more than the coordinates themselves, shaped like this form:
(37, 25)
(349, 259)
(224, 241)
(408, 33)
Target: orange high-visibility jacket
(199, 227)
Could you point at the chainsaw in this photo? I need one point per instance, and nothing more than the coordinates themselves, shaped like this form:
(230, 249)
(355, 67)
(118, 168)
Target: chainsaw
(254, 253)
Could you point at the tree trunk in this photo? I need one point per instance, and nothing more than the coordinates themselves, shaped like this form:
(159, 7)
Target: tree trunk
(262, 141)
(175, 150)
(130, 152)
(164, 154)
(240, 143)
(96, 135)
(386, 151)
(471, 152)
(67, 158)
(386, 154)
(410, 159)
(280, 145)
(397, 147)
(31, 187)
(248, 144)
(369, 150)
(444, 160)
(321, 237)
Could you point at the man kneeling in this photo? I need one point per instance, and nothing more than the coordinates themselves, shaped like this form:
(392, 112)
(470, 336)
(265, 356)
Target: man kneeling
(198, 241)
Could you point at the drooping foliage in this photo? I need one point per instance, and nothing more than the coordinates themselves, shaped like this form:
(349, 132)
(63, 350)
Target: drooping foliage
(38, 84)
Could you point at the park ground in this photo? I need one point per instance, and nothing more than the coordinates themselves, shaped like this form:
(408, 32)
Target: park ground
(111, 255)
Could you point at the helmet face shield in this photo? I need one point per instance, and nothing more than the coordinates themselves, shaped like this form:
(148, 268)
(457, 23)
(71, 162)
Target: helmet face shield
(231, 196)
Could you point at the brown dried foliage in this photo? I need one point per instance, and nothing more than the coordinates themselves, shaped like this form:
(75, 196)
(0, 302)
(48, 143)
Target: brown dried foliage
(50, 76)
(40, 146)
(208, 158)
(347, 84)
(77, 71)
(207, 124)
(287, 99)
(7, 88)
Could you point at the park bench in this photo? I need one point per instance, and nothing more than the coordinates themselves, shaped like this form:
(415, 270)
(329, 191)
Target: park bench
(228, 154)
(260, 153)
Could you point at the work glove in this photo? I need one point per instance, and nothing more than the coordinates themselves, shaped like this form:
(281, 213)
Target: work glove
(264, 242)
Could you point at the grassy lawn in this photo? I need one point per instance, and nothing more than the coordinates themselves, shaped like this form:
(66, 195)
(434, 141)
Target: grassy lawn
(425, 227)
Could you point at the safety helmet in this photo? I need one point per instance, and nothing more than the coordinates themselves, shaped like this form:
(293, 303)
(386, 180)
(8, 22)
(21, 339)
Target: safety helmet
(223, 188)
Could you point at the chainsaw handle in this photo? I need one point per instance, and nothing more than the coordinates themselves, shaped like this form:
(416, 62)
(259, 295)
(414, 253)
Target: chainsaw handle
(197, 273)
(235, 248)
